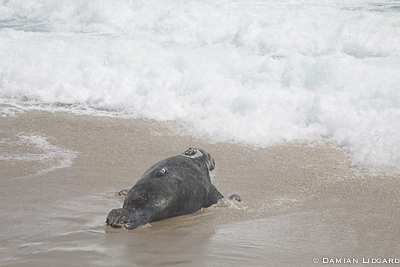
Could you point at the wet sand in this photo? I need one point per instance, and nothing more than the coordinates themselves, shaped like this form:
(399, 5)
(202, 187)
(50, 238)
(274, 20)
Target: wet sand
(301, 203)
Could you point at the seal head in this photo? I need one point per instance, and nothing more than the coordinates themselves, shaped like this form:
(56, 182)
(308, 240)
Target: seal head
(193, 153)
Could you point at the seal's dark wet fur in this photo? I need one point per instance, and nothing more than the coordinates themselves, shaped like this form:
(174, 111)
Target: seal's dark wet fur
(174, 186)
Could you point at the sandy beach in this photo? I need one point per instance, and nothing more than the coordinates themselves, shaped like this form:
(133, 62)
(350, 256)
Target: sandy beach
(298, 102)
(301, 203)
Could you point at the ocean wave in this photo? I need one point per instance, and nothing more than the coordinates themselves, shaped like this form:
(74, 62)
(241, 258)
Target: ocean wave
(258, 72)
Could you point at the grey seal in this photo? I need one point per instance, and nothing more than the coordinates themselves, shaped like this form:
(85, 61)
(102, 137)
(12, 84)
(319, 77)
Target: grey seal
(174, 186)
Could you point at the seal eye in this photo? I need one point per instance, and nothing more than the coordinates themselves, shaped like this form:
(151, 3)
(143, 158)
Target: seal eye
(191, 151)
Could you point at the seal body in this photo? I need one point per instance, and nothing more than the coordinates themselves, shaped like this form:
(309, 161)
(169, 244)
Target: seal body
(174, 186)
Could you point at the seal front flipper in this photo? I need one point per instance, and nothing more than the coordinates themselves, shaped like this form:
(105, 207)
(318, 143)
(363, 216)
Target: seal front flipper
(130, 219)
(115, 216)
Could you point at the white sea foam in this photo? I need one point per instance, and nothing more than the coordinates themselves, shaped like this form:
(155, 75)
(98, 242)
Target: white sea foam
(258, 72)
(36, 149)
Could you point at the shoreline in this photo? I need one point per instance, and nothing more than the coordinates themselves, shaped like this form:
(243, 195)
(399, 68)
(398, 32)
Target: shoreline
(293, 196)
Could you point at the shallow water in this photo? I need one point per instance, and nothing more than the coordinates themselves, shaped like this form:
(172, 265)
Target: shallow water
(300, 202)
(282, 70)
